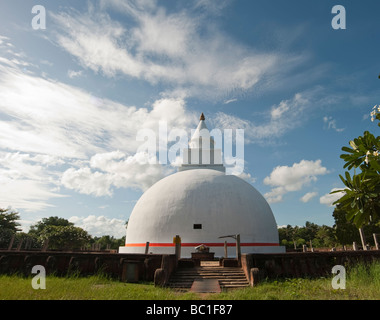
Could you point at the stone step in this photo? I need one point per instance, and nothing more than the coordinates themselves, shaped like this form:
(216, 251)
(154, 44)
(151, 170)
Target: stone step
(208, 271)
(227, 278)
(219, 279)
(206, 274)
(233, 276)
(210, 268)
(232, 282)
(179, 286)
(233, 286)
(222, 283)
(210, 274)
(187, 281)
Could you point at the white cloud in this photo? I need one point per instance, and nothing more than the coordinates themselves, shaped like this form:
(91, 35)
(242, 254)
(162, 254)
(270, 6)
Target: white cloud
(328, 199)
(73, 74)
(285, 116)
(230, 101)
(163, 47)
(100, 225)
(95, 41)
(164, 34)
(213, 7)
(51, 116)
(291, 107)
(308, 196)
(48, 126)
(29, 195)
(4, 40)
(48, 117)
(85, 181)
(60, 124)
(247, 177)
(18, 165)
(286, 179)
(331, 124)
(27, 182)
(113, 170)
(275, 195)
(51, 123)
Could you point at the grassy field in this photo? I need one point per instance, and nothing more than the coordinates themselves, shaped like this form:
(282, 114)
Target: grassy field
(362, 283)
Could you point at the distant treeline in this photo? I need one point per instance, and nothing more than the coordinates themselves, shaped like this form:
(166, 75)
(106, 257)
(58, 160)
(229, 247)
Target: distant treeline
(340, 234)
(60, 233)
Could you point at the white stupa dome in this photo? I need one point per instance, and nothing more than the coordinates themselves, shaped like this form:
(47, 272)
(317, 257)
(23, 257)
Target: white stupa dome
(201, 205)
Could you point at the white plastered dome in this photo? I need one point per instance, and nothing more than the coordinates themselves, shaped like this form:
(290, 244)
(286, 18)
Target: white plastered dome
(201, 205)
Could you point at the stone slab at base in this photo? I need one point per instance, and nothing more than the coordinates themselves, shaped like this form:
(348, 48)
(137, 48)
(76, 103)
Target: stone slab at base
(202, 256)
(206, 286)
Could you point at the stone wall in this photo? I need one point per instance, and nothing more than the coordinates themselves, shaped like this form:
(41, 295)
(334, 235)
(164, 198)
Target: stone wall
(303, 264)
(83, 263)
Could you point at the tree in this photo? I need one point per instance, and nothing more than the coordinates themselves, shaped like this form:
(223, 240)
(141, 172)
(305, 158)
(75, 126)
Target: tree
(320, 236)
(62, 234)
(8, 220)
(51, 221)
(325, 236)
(361, 199)
(9, 228)
(65, 237)
(310, 230)
(346, 232)
(287, 236)
(109, 242)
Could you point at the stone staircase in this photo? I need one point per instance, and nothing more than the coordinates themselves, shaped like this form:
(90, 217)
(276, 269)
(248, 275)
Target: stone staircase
(228, 277)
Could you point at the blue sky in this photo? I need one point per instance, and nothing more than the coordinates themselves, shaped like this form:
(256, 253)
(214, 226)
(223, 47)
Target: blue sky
(74, 95)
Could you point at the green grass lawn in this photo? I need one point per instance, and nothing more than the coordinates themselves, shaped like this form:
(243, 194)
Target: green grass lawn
(362, 283)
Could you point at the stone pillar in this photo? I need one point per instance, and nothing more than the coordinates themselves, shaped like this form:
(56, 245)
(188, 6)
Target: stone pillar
(45, 245)
(254, 276)
(20, 244)
(11, 242)
(238, 249)
(376, 243)
(28, 243)
(362, 237)
(177, 241)
(311, 246)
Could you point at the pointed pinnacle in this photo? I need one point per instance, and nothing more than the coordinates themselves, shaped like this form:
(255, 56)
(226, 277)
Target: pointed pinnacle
(202, 117)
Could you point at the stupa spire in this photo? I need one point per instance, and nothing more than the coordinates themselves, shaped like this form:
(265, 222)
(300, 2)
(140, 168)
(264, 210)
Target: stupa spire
(201, 153)
(201, 131)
